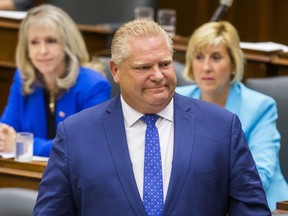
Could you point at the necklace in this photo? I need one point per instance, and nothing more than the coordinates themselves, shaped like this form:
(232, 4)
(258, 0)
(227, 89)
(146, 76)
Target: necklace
(52, 103)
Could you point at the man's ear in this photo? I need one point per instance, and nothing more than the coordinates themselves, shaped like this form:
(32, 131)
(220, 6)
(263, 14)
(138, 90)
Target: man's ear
(114, 70)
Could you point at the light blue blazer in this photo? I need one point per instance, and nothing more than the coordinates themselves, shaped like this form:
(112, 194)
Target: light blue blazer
(89, 171)
(29, 114)
(258, 114)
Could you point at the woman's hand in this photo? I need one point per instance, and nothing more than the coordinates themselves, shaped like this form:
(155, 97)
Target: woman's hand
(7, 138)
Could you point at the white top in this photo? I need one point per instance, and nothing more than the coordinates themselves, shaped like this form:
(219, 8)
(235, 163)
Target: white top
(135, 133)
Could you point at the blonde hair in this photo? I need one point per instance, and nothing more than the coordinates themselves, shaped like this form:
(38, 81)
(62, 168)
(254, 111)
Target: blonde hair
(69, 36)
(216, 33)
(120, 48)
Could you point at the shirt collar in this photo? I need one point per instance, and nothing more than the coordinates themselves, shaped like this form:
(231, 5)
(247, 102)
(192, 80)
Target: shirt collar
(131, 115)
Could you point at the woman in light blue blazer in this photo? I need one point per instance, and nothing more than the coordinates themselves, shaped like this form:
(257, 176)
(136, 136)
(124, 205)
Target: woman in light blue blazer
(214, 60)
(51, 82)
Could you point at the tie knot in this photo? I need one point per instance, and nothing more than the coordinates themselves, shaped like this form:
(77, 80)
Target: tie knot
(150, 119)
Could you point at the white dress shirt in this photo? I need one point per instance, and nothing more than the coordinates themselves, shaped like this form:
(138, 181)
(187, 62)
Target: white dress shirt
(135, 134)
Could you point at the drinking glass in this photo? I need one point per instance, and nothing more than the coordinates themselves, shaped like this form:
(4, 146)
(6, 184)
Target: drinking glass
(144, 12)
(24, 146)
(167, 19)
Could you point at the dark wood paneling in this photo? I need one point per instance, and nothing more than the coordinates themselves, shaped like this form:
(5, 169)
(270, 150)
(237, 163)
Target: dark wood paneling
(6, 77)
(257, 20)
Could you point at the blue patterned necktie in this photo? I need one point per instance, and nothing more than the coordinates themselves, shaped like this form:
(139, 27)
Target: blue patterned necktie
(153, 183)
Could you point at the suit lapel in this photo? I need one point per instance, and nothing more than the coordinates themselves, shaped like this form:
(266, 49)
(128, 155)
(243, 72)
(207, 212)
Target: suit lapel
(115, 131)
(183, 145)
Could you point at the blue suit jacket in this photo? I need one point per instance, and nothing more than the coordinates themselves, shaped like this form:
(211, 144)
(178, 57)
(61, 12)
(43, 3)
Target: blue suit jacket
(258, 114)
(90, 172)
(28, 113)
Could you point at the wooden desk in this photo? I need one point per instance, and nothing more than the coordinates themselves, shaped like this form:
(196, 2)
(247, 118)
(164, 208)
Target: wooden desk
(281, 208)
(282, 205)
(23, 175)
(275, 63)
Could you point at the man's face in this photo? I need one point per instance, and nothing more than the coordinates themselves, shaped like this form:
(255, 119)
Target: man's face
(147, 78)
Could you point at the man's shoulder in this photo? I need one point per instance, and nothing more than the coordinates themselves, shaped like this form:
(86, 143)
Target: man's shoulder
(202, 110)
(196, 104)
(91, 114)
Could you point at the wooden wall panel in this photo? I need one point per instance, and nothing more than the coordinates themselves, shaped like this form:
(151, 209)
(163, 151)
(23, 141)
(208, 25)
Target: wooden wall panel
(256, 20)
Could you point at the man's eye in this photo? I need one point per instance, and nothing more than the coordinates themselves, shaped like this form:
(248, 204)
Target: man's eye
(143, 68)
(165, 64)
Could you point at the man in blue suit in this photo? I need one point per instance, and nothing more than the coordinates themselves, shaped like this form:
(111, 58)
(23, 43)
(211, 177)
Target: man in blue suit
(96, 166)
